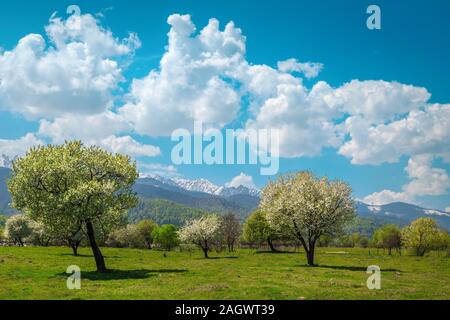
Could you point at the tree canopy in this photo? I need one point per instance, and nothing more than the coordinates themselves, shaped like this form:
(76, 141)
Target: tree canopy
(202, 232)
(69, 185)
(388, 237)
(257, 230)
(307, 207)
(231, 230)
(18, 228)
(145, 229)
(166, 236)
(421, 235)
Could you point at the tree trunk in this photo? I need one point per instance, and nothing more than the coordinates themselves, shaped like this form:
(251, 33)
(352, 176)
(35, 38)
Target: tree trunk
(99, 260)
(205, 252)
(390, 251)
(75, 250)
(74, 246)
(231, 246)
(310, 253)
(271, 246)
(310, 257)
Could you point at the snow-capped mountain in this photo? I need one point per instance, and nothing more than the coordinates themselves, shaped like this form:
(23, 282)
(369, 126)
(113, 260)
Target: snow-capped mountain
(436, 212)
(232, 191)
(5, 161)
(201, 185)
(156, 180)
(402, 213)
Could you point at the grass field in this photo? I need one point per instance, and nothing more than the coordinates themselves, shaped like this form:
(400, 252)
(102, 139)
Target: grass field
(38, 273)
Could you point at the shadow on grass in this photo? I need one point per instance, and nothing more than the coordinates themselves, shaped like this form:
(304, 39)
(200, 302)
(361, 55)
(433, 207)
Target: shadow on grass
(124, 274)
(77, 256)
(277, 252)
(217, 258)
(87, 256)
(348, 268)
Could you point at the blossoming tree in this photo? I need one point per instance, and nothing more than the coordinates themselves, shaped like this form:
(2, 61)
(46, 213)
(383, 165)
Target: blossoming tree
(72, 185)
(18, 228)
(201, 232)
(307, 207)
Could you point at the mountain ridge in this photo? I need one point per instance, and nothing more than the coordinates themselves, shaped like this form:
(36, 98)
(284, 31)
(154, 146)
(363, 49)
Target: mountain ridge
(206, 186)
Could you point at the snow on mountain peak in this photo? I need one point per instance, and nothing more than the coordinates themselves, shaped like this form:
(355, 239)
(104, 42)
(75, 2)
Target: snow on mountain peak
(436, 212)
(206, 186)
(200, 185)
(232, 191)
(5, 161)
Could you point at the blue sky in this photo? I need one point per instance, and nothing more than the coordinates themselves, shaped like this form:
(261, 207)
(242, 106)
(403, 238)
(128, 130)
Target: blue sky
(411, 49)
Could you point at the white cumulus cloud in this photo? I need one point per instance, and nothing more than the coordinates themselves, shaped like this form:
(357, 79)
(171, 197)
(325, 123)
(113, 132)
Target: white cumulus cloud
(309, 69)
(386, 197)
(420, 132)
(74, 72)
(424, 181)
(191, 84)
(152, 169)
(18, 147)
(127, 145)
(241, 180)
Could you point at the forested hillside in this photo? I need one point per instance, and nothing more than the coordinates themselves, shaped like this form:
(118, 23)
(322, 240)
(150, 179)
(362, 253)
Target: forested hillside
(163, 212)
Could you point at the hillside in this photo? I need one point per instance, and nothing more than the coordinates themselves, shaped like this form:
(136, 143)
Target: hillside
(163, 212)
(198, 200)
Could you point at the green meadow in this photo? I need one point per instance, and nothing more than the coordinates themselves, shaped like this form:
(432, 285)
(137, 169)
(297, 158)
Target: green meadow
(39, 273)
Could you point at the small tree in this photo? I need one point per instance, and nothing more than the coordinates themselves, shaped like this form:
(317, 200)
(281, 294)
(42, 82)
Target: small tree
(118, 238)
(230, 229)
(18, 228)
(74, 185)
(145, 229)
(201, 232)
(355, 238)
(40, 235)
(73, 238)
(127, 237)
(257, 230)
(421, 235)
(443, 242)
(307, 207)
(363, 242)
(388, 237)
(166, 236)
